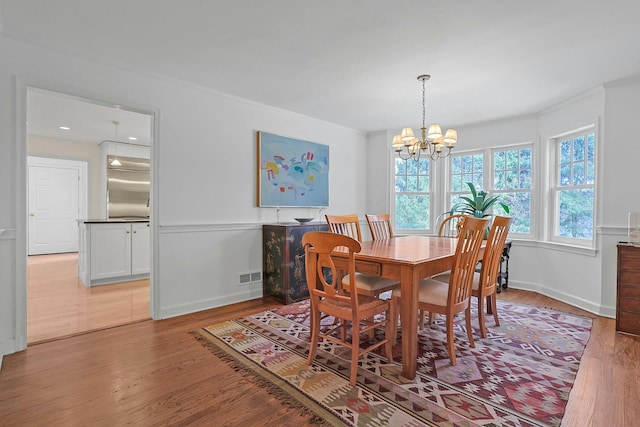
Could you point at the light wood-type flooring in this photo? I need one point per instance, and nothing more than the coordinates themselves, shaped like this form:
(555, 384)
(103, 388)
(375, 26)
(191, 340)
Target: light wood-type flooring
(58, 304)
(156, 373)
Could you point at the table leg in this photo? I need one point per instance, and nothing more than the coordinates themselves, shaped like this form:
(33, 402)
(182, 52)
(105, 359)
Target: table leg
(409, 284)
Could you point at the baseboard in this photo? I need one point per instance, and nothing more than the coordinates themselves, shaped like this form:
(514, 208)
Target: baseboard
(586, 305)
(179, 310)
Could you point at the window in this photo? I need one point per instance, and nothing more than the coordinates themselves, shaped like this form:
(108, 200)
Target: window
(512, 180)
(412, 194)
(574, 188)
(508, 174)
(465, 168)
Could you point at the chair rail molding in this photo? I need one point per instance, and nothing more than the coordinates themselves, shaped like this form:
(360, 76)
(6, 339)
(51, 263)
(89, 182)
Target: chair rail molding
(7, 234)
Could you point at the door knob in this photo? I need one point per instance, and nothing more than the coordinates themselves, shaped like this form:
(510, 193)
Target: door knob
(31, 214)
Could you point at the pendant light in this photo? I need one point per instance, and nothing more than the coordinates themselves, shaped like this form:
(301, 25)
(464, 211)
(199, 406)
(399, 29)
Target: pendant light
(115, 161)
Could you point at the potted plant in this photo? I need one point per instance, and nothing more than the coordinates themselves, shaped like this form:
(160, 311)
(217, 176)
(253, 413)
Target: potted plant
(478, 204)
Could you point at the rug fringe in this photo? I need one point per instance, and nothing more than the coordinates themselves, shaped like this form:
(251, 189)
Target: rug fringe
(283, 396)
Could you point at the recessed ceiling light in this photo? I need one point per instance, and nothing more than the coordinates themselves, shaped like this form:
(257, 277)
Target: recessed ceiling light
(133, 138)
(65, 128)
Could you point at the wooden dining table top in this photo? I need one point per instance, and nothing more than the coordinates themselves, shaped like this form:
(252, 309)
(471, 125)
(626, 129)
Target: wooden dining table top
(408, 249)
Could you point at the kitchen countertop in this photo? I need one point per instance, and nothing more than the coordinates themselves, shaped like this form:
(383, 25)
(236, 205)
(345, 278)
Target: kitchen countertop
(113, 220)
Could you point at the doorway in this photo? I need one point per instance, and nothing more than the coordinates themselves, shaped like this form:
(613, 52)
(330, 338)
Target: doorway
(58, 302)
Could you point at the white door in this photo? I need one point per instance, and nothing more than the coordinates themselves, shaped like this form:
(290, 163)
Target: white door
(55, 205)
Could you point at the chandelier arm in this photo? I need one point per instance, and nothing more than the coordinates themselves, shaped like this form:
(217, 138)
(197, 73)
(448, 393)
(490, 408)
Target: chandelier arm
(402, 157)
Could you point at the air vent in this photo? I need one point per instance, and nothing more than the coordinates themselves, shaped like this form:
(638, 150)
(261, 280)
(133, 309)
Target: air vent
(250, 277)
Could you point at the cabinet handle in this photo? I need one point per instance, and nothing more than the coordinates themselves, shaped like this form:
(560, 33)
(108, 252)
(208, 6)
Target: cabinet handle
(127, 232)
(134, 232)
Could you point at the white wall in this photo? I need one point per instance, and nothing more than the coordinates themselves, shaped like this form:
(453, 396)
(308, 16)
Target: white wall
(621, 163)
(379, 182)
(206, 226)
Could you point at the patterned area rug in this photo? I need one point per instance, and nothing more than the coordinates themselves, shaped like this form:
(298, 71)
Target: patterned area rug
(520, 375)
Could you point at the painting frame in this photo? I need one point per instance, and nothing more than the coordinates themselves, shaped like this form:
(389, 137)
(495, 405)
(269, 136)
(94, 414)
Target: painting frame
(291, 172)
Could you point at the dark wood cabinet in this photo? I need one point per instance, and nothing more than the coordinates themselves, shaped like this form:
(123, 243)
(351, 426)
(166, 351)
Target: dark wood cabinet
(628, 292)
(283, 266)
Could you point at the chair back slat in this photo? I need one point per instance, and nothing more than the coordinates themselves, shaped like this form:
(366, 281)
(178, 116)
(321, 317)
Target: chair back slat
(380, 226)
(493, 252)
(465, 260)
(347, 225)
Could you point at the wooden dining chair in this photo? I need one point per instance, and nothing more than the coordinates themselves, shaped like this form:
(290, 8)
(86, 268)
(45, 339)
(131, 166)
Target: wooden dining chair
(485, 282)
(380, 226)
(328, 298)
(449, 299)
(367, 284)
(450, 225)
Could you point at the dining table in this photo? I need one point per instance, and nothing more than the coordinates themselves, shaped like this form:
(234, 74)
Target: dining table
(408, 259)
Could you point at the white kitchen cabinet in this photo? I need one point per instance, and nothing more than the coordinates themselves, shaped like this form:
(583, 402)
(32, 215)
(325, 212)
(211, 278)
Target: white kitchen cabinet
(113, 251)
(125, 149)
(140, 248)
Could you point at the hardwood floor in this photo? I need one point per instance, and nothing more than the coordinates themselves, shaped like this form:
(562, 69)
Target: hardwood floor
(156, 373)
(58, 304)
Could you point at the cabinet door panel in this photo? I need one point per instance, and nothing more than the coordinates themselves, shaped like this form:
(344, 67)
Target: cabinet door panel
(140, 249)
(110, 250)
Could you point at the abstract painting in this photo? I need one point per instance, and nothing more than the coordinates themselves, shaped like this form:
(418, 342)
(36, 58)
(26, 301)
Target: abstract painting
(292, 172)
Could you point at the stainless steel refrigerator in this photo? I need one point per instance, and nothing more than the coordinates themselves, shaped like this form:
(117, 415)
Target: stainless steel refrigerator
(128, 188)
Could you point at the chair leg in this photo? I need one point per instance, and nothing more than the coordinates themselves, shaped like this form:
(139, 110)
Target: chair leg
(388, 334)
(315, 332)
(371, 331)
(343, 329)
(467, 315)
(450, 346)
(483, 329)
(393, 320)
(494, 307)
(355, 352)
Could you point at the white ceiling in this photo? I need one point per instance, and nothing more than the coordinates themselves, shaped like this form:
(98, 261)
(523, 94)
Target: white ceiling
(355, 62)
(88, 121)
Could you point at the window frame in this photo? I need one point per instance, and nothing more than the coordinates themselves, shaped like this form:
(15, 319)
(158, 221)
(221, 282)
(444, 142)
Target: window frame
(465, 190)
(555, 188)
(532, 190)
(488, 183)
(430, 193)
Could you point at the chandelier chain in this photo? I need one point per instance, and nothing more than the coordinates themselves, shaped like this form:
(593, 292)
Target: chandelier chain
(424, 108)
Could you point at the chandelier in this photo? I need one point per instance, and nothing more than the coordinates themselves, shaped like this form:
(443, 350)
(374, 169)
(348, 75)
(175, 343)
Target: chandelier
(431, 144)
